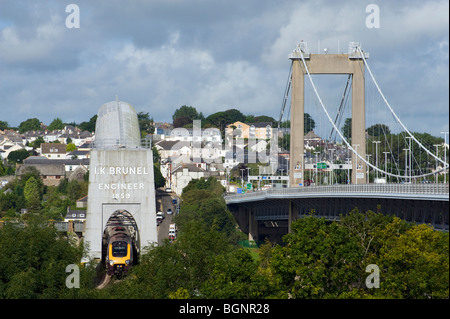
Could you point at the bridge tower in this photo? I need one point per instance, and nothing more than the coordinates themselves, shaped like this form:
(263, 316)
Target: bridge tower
(120, 177)
(351, 63)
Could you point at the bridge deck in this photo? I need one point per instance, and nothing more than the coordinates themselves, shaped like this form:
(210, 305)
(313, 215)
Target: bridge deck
(439, 192)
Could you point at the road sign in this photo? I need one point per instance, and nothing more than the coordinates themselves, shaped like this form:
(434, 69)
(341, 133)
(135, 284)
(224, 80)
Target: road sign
(249, 185)
(321, 165)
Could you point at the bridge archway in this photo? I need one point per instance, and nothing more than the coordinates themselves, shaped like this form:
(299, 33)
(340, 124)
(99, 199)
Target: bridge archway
(122, 218)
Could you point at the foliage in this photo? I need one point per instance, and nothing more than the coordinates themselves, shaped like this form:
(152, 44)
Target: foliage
(89, 125)
(32, 195)
(37, 256)
(160, 181)
(70, 147)
(187, 112)
(30, 125)
(17, 157)
(56, 124)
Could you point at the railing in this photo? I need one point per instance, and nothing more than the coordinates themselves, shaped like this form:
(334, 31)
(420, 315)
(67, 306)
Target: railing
(426, 189)
(143, 143)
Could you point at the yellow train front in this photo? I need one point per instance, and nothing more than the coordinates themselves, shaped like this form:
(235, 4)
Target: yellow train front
(119, 256)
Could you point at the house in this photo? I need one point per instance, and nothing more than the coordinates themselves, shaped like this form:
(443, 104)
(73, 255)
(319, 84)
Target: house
(171, 149)
(195, 135)
(52, 171)
(262, 130)
(183, 174)
(53, 150)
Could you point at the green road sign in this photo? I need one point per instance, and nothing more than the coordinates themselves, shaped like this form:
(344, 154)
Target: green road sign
(249, 185)
(321, 165)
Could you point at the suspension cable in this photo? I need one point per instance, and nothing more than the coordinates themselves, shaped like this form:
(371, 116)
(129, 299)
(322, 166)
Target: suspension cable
(393, 113)
(339, 132)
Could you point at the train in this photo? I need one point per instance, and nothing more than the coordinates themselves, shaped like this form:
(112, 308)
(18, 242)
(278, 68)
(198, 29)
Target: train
(119, 252)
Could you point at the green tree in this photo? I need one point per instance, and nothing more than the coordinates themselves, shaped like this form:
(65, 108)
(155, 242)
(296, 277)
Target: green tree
(347, 128)
(30, 125)
(160, 181)
(17, 157)
(378, 130)
(309, 123)
(89, 125)
(32, 195)
(34, 259)
(4, 125)
(187, 111)
(70, 147)
(145, 123)
(38, 141)
(56, 124)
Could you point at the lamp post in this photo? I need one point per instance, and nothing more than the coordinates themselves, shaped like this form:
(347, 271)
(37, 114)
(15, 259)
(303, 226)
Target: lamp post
(368, 160)
(410, 157)
(435, 175)
(385, 164)
(331, 165)
(356, 162)
(406, 163)
(317, 174)
(445, 155)
(376, 155)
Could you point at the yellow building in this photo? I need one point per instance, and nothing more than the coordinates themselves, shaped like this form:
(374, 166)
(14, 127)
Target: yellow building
(262, 130)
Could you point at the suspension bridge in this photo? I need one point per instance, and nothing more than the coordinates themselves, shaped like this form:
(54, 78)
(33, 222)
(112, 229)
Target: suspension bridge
(404, 184)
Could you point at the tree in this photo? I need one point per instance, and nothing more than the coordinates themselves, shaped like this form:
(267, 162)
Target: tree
(159, 179)
(32, 195)
(90, 125)
(34, 259)
(17, 157)
(347, 128)
(309, 123)
(70, 147)
(56, 124)
(377, 130)
(186, 111)
(145, 123)
(4, 125)
(30, 125)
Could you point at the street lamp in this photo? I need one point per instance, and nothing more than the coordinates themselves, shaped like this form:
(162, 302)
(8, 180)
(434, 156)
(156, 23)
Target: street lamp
(385, 164)
(410, 157)
(445, 155)
(376, 154)
(331, 165)
(317, 174)
(406, 163)
(367, 171)
(356, 162)
(435, 175)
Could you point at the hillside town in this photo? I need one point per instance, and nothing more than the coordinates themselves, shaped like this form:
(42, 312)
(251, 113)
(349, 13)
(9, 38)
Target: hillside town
(183, 153)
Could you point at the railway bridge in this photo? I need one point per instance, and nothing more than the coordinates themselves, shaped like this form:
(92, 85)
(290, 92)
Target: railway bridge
(269, 213)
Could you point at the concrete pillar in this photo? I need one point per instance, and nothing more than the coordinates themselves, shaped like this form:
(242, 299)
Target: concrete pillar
(358, 122)
(327, 64)
(252, 225)
(293, 214)
(297, 124)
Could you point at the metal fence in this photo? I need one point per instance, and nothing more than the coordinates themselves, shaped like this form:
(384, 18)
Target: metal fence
(422, 189)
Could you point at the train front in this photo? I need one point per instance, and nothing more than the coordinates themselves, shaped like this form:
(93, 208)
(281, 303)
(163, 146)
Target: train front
(120, 255)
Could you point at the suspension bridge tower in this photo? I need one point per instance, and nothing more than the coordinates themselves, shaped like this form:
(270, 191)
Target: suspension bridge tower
(351, 63)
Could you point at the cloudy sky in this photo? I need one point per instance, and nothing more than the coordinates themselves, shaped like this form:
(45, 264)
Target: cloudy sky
(215, 55)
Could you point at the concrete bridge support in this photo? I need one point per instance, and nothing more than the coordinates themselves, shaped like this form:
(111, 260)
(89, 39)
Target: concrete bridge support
(326, 64)
(292, 214)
